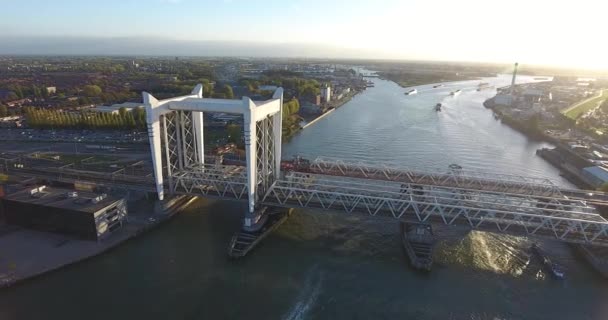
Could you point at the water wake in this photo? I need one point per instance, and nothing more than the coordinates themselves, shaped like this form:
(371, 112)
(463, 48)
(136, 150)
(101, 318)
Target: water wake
(308, 296)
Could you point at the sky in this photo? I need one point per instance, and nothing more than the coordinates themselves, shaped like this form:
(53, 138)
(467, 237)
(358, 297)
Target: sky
(560, 32)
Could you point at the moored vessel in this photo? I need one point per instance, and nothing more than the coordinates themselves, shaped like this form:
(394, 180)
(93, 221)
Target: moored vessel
(411, 92)
(551, 267)
(455, 93)
(418, 241)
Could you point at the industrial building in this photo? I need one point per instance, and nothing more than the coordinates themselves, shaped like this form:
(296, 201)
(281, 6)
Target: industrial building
(326, 93)
(595, 176)
(85, 215)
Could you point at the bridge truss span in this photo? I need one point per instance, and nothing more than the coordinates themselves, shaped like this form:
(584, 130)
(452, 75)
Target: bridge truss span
(426, 203)
(456, 177)
(478, 200)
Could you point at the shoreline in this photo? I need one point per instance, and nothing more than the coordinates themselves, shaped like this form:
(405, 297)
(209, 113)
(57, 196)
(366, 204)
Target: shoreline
(322, 115)
(566, 170)
(83, 250)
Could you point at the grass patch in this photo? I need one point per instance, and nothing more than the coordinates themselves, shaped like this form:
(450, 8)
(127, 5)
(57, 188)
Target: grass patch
(580, 108)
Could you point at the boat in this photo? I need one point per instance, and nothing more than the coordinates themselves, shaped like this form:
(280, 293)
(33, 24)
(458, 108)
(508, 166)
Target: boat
(541, 78)
(455, 166)
(483, 85)
(411, 92)
(455, 93)
(418, 241)
(438, 107)
(553, 268)
(438, 86)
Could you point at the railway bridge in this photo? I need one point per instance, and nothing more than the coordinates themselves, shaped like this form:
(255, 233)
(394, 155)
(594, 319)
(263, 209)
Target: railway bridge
(484, 201)
(478, 200)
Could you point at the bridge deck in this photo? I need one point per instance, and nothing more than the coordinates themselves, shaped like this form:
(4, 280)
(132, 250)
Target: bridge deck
(555, 217)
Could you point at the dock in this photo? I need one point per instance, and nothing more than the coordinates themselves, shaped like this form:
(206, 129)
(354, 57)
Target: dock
(244, 241)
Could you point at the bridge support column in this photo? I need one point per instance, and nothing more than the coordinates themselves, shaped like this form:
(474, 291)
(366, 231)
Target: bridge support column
(252, 217)
(197, 118)
(155, 145)
(277, 123)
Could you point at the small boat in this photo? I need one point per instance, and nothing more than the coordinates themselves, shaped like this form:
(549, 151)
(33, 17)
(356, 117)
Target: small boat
(455, 93)
(438, 86)
(454, 166)
(418, 241)
(483, 85)
(553, 268)
(411, 92)
(438, 107)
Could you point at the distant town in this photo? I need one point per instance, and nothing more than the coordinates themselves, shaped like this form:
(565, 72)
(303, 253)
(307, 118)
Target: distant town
(97, 99)
(75, 135)
(569, 111)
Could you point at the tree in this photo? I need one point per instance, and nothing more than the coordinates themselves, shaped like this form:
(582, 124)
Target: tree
(234, 133)
(122, 111)
(92, 90)
(227, 90)
(604, 187)
(3, 111)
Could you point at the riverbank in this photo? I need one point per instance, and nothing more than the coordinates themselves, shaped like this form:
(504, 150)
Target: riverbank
(561, 157)
(26, 254)
(333, 106)
(407, 80)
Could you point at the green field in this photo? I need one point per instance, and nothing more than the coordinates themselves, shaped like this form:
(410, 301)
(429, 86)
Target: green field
(580, 108)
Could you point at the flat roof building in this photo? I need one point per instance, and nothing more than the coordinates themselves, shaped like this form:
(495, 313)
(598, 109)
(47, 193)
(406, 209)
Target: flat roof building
(596, 176)
(115, 108)
(86, 215)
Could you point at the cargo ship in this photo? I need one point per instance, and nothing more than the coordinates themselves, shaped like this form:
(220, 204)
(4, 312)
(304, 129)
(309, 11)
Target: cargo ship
(456, 93)
(553, 268)
(418, 241)
(411, 92)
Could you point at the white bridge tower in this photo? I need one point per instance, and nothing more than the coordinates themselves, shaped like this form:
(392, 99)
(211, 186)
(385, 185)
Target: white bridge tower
(175, 130)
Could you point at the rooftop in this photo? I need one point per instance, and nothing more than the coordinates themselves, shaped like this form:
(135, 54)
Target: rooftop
(86, 202)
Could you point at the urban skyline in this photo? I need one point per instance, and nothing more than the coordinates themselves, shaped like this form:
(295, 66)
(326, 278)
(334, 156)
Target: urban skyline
(541, 32)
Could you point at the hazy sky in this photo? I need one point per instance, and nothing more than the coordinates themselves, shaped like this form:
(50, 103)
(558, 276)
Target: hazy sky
(554, 32)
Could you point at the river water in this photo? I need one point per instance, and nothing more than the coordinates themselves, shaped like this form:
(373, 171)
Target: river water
(335, 266)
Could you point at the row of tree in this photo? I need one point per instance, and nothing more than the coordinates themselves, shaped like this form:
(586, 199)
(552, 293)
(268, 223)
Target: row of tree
(55, 119)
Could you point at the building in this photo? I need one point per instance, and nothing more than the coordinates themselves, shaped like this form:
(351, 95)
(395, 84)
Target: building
(6, 94)
(51, 90)
(11, 122)
(596, 176)
(326, 93)
(85, 215)
(115, 108)
(268, 88)
(503, 100)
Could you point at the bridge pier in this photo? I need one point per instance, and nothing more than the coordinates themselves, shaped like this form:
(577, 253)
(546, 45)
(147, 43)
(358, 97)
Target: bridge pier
(254, 221)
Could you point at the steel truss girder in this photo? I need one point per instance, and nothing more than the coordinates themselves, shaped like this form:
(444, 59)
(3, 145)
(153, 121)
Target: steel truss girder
(212, 180)
(486, 181)
(445, 206)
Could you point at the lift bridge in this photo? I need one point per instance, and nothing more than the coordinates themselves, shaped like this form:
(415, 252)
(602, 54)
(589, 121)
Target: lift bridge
(482, 201)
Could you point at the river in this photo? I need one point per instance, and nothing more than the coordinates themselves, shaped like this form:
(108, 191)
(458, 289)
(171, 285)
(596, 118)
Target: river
(336, 266)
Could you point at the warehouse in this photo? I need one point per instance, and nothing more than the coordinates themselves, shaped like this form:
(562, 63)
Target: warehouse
(85, 215)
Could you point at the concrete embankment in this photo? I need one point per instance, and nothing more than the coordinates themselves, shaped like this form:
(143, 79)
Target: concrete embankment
(336, 106)
(318, 118)
(25, 254)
